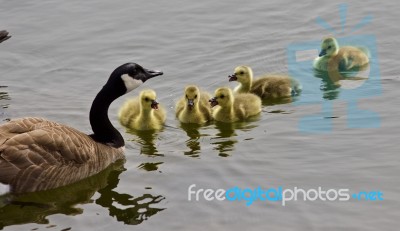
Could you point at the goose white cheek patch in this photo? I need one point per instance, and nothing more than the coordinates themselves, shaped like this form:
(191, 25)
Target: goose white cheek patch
(130, 83)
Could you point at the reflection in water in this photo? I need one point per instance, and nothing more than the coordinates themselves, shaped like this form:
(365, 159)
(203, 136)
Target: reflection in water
(225, 139)
(328, 87)
(332, 82)
(3, 96)
(277, 101)
(36, 207)
(147, 147)
(139, 208)
(146, 141)
(193, 143)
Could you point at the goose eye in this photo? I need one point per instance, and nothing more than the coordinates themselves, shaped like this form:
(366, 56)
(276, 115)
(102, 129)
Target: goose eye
(222, 96)
(146, 99)
(195, 96)
(241, 73)
(329, 47)
(187, 97)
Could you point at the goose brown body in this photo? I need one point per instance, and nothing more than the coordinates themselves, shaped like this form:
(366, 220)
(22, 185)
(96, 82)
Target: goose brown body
(37, 154)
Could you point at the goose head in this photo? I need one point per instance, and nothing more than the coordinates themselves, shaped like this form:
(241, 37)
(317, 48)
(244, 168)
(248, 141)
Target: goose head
(129, 76)
(223, 96)
(242, 74)
(148, 100)
(192, 95)
(329, 47)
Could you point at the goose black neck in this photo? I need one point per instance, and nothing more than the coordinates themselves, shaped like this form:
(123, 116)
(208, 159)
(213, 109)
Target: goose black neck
(104, 131)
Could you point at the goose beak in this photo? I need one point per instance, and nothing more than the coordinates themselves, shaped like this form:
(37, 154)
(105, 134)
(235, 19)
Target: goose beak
(322, 53)
(213, 102)
(232, 78)
(154, 105)
(150, 73)
(190, 103)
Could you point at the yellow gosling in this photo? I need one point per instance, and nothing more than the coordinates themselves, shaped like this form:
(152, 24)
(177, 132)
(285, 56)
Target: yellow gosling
(193, 106)
(232, 108)
(267, 86)
(335, 58)
(142, 112)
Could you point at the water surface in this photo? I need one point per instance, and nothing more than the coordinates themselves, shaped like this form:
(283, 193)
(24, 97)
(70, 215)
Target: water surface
(62, 52)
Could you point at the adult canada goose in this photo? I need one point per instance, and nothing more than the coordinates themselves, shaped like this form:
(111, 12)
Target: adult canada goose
(268, 86)
(4, 35)
(142, 112)
(232, 108)
(37, 154)
(193, 107)
(335, 58)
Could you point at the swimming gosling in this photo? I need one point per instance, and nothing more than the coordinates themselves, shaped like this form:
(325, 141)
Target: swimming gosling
(193, 107)
(266, 87)
(232, 108)
(335, 58)
(38, 154)
(142, 112)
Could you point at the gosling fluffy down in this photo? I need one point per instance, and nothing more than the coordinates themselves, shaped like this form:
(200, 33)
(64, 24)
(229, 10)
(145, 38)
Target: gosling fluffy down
(193, 107)
(335, 58)
(142, 112)
(232, 108)
(266, 87)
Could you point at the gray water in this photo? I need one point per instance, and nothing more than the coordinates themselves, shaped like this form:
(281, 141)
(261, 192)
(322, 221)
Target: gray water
(62, 52)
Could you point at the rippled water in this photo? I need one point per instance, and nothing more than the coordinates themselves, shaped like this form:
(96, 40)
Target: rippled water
(62, 52)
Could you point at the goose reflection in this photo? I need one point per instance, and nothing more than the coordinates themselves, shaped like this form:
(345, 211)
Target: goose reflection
(36, 207)
(225, 139)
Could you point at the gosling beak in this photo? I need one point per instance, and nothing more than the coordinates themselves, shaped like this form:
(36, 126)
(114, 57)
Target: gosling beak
(232, 78)
(190, 103)
(150, 73)
(322, 53)
(154, 105)
(213, 102)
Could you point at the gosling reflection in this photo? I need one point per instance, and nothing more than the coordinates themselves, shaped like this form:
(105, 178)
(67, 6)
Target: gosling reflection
(277, 101)
(333, 81)
(36, 207)
(146, 141)
(225, 139)
(193, 143)
(330, 90)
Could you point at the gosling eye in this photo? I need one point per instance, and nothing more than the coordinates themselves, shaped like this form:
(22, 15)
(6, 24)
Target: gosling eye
(241, 72)
(329, 47)
(195, 96)
(222, 96)
(187, 97)
(146, 99)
